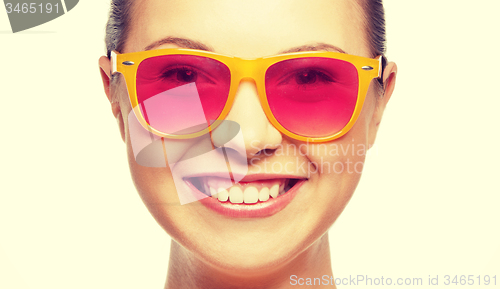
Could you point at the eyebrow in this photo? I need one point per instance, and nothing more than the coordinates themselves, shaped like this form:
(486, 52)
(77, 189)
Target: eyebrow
(314, 47)
(181, 42)
(193, 44)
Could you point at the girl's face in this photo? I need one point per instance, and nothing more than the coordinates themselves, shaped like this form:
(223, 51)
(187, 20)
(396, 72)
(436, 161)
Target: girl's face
(327, 172)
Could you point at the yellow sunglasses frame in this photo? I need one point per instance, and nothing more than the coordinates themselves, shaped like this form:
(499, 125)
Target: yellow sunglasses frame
(128, 63)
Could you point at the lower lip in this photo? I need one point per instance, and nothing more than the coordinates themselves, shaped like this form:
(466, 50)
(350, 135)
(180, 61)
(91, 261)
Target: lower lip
(257, 210)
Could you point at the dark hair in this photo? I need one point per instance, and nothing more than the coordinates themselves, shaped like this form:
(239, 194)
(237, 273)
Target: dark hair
(375, 29)
(375, 25)
(117, 28)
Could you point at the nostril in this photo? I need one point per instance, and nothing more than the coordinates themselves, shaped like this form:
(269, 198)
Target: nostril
(266, 152)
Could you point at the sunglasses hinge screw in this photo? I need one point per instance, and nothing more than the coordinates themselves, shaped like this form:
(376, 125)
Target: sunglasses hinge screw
(128, 63)
(367, 68)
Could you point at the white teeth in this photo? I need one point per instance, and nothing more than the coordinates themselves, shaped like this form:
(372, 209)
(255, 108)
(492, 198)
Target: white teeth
(236, 195)
(251, 195)
(264, 194)
(222, 195)
(247, 194)
(274, 191)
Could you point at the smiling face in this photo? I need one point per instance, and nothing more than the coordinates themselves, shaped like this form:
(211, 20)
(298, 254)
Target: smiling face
(313, 182)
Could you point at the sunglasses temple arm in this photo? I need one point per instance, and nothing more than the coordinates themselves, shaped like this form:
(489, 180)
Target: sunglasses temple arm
(383, 64)
(113, 57)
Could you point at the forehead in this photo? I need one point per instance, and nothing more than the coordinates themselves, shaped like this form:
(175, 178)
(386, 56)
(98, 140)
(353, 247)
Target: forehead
(249, 28)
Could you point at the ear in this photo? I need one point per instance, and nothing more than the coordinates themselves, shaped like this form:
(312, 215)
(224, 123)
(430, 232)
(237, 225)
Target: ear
(389, 79)
(105, 69)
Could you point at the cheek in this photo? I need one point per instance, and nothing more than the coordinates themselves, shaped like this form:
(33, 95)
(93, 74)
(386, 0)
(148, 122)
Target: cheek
(340, 157)
(344, 157)
(338, 165)
(147, 163)
(157, 191)
(153, 184)
(150, 174)
(339, 170)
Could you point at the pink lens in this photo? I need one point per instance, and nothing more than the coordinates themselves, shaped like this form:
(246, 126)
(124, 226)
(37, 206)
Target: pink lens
(312, 96)
(181, 94)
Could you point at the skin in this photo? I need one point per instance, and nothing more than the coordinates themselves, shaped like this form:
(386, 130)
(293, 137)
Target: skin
(212, 251)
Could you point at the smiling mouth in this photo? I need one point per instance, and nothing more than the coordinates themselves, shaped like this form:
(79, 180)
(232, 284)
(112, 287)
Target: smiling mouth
(254, 192)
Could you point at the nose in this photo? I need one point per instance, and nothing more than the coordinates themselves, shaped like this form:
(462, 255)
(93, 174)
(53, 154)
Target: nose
(258, 132)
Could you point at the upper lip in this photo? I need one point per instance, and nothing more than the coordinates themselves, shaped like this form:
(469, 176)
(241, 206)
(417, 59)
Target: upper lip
(258, 177)
(249, 178)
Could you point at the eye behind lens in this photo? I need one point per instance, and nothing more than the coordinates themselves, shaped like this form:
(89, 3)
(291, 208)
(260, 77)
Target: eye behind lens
(181, 74)
(306, 77)
(186, 75)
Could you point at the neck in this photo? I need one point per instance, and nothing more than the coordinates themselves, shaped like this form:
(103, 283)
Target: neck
(187, 271)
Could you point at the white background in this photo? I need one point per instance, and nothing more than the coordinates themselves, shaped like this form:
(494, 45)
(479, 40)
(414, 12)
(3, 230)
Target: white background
(428, 203)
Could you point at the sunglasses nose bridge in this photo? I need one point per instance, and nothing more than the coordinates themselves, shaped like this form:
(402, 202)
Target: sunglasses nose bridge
(246, 69)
